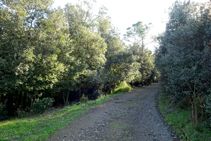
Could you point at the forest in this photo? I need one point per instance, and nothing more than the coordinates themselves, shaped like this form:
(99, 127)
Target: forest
(184, 61)
(56, 56)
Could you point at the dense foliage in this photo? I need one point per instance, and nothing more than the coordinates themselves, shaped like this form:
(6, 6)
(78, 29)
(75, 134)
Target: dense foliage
(183, 57)
(62, 55)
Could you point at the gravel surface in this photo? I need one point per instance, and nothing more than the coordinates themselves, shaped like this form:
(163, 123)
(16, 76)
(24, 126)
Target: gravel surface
(132, 116)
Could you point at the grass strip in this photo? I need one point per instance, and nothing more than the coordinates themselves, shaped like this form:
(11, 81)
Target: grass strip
(179, 119)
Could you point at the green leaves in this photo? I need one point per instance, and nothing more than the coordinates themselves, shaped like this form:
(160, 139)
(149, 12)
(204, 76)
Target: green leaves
(30, 45)
(62, 53)
(181, 55)
(144, 61)
(137, 32)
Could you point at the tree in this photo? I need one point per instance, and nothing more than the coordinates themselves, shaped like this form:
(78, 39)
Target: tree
(30, 41)
(48, 53)
(86, 51)
(137, 33)
(181, 55)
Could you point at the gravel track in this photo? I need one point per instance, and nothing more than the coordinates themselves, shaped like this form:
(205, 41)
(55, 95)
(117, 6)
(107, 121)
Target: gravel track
(132, 116)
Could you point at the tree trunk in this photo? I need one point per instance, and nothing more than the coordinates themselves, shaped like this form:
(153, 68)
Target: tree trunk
(195, 105)
(142, 46)
(66, 97)
(192, 113)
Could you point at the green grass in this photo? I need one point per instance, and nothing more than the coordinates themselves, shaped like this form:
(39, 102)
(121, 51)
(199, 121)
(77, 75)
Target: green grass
(181, 118)
(40, 127)
(116, 125)
(122, 88)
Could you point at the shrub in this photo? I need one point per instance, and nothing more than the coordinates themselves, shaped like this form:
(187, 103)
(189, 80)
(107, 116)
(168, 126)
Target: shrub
(183, 57)
(96, 94)
(3, 113)
(41, 105)
(84, 98)
(21, 113)
(208, 108)
(122, 88)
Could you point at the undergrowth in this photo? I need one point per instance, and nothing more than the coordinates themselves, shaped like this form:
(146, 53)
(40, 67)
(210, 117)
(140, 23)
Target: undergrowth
(122, 88)
(40, 127)
(180, 121)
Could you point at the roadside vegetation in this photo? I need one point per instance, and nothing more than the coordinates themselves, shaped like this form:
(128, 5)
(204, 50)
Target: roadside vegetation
(184, 61)
(74, 58)
(179, 118)
(57, 56)
(65, 57)
(40, 127)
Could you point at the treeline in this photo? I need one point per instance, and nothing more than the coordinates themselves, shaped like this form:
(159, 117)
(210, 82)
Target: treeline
(184, 59)
(61, 54)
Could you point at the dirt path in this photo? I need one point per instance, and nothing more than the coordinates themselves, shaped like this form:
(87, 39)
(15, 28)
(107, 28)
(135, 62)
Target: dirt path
(132, 116)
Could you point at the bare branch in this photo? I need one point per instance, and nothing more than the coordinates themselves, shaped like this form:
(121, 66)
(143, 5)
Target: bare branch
(189, 85)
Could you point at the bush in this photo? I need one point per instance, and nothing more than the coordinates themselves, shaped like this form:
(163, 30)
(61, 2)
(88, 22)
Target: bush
(208, 108)
(84, 98)
(3, 113)
(183, 57)
(21, 113)
(95, 95)
(123, 88)
(41, 105)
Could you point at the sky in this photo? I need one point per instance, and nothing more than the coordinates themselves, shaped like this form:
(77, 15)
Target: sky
(125, 13)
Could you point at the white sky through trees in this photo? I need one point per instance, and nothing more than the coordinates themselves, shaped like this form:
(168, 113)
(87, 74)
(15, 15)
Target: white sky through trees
(124, 13)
